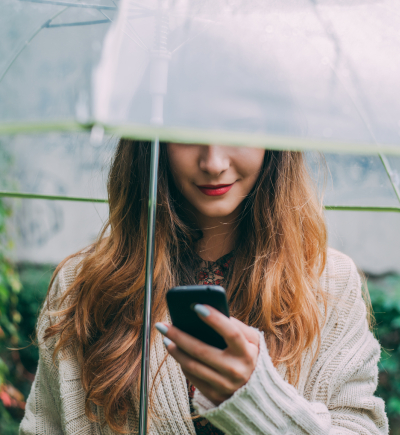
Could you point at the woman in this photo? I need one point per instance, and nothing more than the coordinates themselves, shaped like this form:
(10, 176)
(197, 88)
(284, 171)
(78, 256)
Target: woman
(300, 356)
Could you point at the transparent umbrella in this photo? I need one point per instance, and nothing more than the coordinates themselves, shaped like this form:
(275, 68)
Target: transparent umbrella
(299, 75)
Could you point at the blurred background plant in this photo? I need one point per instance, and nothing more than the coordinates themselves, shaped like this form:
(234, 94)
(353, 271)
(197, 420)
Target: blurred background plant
(11, 399)
(385, 298)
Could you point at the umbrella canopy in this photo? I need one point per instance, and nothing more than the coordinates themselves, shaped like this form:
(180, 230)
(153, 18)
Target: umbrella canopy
(316, 70)
(258, 72)
(298, 75)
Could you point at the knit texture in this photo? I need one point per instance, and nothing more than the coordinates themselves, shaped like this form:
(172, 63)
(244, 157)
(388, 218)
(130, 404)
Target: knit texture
(334, 395)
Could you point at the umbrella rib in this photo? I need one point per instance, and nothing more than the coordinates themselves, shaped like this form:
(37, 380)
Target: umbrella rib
(196, 136)
(27, 195)
(361, 208)
(27, 42)
(389, 172)
(72, 5)
(78, 23)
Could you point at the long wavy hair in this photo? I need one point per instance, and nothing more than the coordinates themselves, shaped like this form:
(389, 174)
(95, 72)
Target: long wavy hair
(280, 254)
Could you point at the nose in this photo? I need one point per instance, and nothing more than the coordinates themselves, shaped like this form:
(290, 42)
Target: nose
(214, 159)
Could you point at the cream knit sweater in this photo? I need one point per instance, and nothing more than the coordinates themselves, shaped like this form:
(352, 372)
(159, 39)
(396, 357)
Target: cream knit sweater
(334, 396)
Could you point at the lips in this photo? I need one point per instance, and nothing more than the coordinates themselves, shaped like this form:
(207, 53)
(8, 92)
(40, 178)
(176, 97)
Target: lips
(215, 189)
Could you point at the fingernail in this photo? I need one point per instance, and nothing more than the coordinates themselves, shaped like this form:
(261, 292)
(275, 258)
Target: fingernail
(202, 310)
(167, 342)
(161, 328)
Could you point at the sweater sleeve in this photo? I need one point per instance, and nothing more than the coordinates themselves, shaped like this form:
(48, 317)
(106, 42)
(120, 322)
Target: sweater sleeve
(340, 385)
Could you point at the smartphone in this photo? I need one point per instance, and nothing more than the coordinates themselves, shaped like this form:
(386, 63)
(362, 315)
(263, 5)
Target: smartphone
(181, 301)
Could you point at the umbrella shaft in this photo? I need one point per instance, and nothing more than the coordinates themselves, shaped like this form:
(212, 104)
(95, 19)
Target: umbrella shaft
(151, 225)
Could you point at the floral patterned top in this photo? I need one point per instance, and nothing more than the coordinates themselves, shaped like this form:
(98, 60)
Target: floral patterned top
(208, 273)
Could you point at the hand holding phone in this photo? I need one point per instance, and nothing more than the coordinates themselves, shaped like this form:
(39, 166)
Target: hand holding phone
(217, 373)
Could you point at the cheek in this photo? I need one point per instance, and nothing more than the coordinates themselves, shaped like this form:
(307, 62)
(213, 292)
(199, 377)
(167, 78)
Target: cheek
(249, 164)
(180, 162)
(174, 157)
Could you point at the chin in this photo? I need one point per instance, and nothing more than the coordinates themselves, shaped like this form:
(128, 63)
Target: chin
(216, 212)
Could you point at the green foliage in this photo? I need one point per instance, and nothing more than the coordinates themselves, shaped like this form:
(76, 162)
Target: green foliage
(385, 298)
(3, 372)
(17, 368)
(35, 280)
(10, 318)
(10, 286)
(8, 424)
(11, 399)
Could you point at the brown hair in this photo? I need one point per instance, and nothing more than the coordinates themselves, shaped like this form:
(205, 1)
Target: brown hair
(274, 285)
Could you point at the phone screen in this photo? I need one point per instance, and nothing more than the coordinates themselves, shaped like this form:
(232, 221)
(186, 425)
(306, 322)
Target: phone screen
(181, 301)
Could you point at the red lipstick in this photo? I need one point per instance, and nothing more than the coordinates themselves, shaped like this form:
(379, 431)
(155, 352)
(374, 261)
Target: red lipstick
(215, 189)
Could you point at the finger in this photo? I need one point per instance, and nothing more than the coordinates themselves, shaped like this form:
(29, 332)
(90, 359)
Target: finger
(206, 389)
(201, 371)
(251, 334)
(229, 330)
(197, 349)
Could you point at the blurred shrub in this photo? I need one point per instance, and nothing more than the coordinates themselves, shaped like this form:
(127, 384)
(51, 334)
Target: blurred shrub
(35, 280)
(17, 367)
(11, 400)
(385, 298)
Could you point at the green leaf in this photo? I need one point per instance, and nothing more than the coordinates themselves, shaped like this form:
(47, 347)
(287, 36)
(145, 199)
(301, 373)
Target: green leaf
(3, 371)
